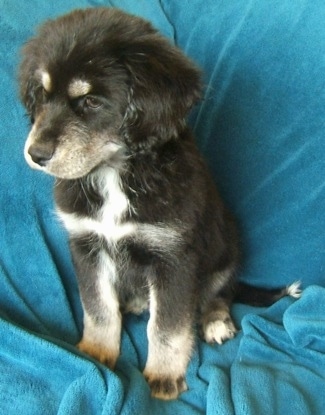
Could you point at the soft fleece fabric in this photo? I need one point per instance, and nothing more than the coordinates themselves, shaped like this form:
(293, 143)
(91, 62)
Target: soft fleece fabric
(261, 127)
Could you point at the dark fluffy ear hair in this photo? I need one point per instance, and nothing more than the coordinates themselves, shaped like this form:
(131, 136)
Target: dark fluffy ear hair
(30, 86)
(164, 85)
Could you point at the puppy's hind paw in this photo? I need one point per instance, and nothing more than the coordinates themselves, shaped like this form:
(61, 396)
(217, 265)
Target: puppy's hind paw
(217, 331)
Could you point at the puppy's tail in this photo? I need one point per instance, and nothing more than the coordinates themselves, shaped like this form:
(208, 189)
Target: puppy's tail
(261, 297)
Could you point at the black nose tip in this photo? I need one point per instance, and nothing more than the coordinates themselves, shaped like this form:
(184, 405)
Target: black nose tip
(40, 154)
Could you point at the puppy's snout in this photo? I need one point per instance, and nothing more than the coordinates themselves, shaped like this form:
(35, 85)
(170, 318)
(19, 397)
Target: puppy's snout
(40, 154)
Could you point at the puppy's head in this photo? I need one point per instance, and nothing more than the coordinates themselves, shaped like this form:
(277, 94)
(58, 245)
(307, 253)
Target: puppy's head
(100, 85)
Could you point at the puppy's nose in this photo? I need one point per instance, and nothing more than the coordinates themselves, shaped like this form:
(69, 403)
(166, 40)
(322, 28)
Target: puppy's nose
(40, 154)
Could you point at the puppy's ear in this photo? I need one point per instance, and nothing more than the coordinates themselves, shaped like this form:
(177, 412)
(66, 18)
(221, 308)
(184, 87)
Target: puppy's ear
(28, 92)
(164, 85)
(29, 85)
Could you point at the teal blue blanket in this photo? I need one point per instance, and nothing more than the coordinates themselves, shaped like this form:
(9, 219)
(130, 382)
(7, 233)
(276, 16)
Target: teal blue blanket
(261, 127)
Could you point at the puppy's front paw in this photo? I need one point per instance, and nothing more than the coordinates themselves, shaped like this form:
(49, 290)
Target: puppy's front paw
(217, 331)
(100, 353)
(165, 388)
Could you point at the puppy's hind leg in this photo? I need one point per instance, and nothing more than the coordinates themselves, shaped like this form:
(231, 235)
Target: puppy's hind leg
(217, 325)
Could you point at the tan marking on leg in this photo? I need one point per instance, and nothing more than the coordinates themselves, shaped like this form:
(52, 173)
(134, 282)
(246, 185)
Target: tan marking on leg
(102, 343)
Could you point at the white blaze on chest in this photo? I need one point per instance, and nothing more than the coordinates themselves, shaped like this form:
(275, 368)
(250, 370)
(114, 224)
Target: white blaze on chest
(107, 222)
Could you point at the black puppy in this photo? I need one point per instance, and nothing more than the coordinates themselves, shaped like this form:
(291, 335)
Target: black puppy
(107, 96)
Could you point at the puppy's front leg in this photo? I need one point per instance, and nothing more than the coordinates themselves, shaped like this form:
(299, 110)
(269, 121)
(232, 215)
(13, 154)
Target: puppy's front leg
(170, 338)
(102, 318)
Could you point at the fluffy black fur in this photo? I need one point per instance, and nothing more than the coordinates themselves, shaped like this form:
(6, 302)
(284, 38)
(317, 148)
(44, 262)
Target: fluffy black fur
(180, 254)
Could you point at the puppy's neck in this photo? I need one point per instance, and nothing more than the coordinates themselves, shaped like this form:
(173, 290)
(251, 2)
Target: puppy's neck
(103, 179)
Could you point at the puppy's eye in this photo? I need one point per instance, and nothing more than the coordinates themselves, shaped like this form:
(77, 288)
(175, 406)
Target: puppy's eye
(85, 105)
(45, 95)
(92, 102)
(30, 117)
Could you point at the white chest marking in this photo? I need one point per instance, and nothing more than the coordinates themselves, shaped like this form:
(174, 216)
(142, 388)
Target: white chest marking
(107, 221)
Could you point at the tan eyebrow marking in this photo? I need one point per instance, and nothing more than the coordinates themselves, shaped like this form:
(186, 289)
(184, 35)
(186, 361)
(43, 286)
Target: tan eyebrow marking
(46, 80)
(78, 88)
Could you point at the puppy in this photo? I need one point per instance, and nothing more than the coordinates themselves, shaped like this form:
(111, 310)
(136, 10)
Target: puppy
(107, 97)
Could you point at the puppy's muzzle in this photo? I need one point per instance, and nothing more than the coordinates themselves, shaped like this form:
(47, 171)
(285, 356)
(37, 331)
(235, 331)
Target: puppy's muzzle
(40, 154)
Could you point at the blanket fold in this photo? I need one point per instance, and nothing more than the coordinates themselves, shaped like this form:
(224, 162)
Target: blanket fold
(280, 360)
